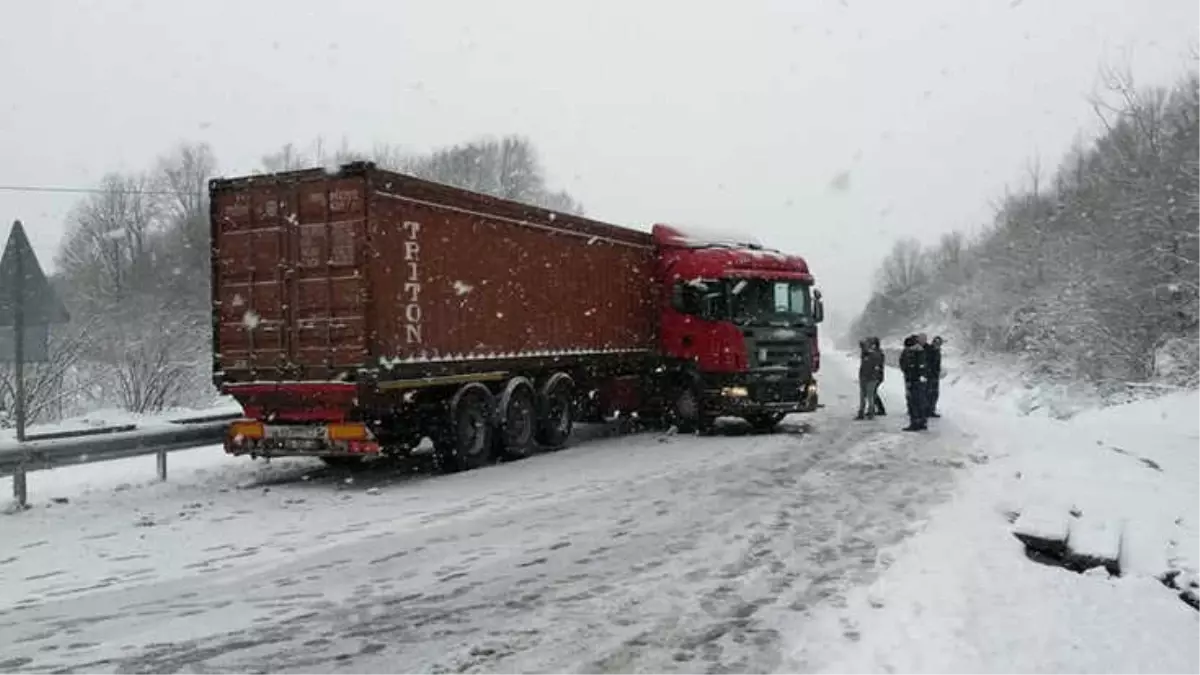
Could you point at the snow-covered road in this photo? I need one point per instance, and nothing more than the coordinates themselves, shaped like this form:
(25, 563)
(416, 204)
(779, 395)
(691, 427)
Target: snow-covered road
(637, 553)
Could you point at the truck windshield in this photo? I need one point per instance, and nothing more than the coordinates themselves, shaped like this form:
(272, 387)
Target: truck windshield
(745, 301)
(765, 300)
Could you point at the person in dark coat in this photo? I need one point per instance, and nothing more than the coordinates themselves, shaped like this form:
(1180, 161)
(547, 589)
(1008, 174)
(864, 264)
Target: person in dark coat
(912, 364)
(933, 369)
(870, 376)
(879, 409)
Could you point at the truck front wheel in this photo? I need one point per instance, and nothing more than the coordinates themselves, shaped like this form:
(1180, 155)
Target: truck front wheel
(467, 443)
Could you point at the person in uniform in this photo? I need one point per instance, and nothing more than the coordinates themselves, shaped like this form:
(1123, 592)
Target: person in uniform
(912, 364)
(933, 368)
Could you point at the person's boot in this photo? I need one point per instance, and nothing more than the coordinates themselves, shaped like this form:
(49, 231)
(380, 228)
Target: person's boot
(859, 416)
(911, 427)
(935, 414)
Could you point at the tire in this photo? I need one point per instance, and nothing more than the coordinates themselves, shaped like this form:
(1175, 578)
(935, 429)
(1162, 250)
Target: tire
(688, 414)
(517, 421)
(467, 440)
(556, 418)
(765, 422)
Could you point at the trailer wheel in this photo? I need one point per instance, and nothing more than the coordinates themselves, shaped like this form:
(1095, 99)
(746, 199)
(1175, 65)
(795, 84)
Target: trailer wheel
(467, 443)
(518, 419)
(557, 417)
(687, 411)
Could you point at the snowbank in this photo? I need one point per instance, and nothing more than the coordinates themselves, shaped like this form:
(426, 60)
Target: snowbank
(963, 595)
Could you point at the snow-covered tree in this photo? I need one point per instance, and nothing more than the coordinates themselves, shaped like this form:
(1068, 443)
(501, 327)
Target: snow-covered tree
(1090, 273)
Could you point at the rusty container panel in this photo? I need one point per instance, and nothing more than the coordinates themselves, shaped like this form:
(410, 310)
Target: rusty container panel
(319, 277)
(289, 284)
(465, 278)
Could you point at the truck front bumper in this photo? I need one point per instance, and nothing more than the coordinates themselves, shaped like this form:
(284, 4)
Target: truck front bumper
(752, 394)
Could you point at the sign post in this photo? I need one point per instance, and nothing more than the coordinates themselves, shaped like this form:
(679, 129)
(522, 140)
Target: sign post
(29, 305)
(19, 339)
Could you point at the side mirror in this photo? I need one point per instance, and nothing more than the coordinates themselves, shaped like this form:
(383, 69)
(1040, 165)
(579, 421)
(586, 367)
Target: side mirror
(818, 307)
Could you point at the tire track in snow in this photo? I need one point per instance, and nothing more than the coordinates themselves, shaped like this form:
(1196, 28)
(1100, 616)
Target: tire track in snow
(692, 564)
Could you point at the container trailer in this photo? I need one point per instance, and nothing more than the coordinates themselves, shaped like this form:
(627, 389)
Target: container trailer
(360, 311)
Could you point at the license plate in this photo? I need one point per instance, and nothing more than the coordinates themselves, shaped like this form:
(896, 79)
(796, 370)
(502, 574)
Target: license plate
(295, 432)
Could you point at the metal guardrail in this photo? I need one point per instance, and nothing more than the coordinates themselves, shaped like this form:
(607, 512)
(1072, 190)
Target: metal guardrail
(77, 433)
(42, 453)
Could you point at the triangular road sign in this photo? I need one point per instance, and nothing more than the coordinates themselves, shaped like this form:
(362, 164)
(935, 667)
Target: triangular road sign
(35, 296)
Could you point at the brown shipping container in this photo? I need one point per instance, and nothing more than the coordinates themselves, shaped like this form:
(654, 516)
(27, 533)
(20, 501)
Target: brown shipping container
(369, 274)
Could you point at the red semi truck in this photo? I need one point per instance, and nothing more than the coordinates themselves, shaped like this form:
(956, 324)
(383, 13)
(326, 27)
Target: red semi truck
(358, 312)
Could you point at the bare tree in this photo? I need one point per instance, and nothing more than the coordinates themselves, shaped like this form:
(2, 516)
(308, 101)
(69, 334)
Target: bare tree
(50, 386)
(287, 158)
(182, 177)
(107, 253)
(507, 168)
(904, 270)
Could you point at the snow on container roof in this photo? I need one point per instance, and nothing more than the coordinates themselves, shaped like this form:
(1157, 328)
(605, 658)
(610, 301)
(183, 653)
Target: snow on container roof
(691, 236)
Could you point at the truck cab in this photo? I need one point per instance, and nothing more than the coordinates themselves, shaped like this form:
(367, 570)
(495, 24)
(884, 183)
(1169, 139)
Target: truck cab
(739, 322)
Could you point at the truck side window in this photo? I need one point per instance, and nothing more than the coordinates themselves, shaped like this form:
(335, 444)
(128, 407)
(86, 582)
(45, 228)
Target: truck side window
(688, 298)
(702, 298)
(716, 303)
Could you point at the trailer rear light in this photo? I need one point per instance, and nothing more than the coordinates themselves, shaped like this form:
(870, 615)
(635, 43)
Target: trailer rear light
(247, 429)
(363, 447)
(348, 431)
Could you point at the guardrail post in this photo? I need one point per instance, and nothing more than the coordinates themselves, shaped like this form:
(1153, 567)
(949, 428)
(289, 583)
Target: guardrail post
(20, 487)
(162, 465)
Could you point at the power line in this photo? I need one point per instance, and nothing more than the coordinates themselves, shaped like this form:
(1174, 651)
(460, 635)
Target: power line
(93, 190)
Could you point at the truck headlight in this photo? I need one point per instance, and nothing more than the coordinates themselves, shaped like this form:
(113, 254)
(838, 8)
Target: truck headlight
(735, 392)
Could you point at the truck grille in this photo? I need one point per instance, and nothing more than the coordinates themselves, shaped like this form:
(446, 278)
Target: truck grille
(777, 392)
(791, 354)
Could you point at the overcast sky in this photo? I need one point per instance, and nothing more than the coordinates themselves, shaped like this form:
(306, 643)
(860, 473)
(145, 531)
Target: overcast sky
(727, 114)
